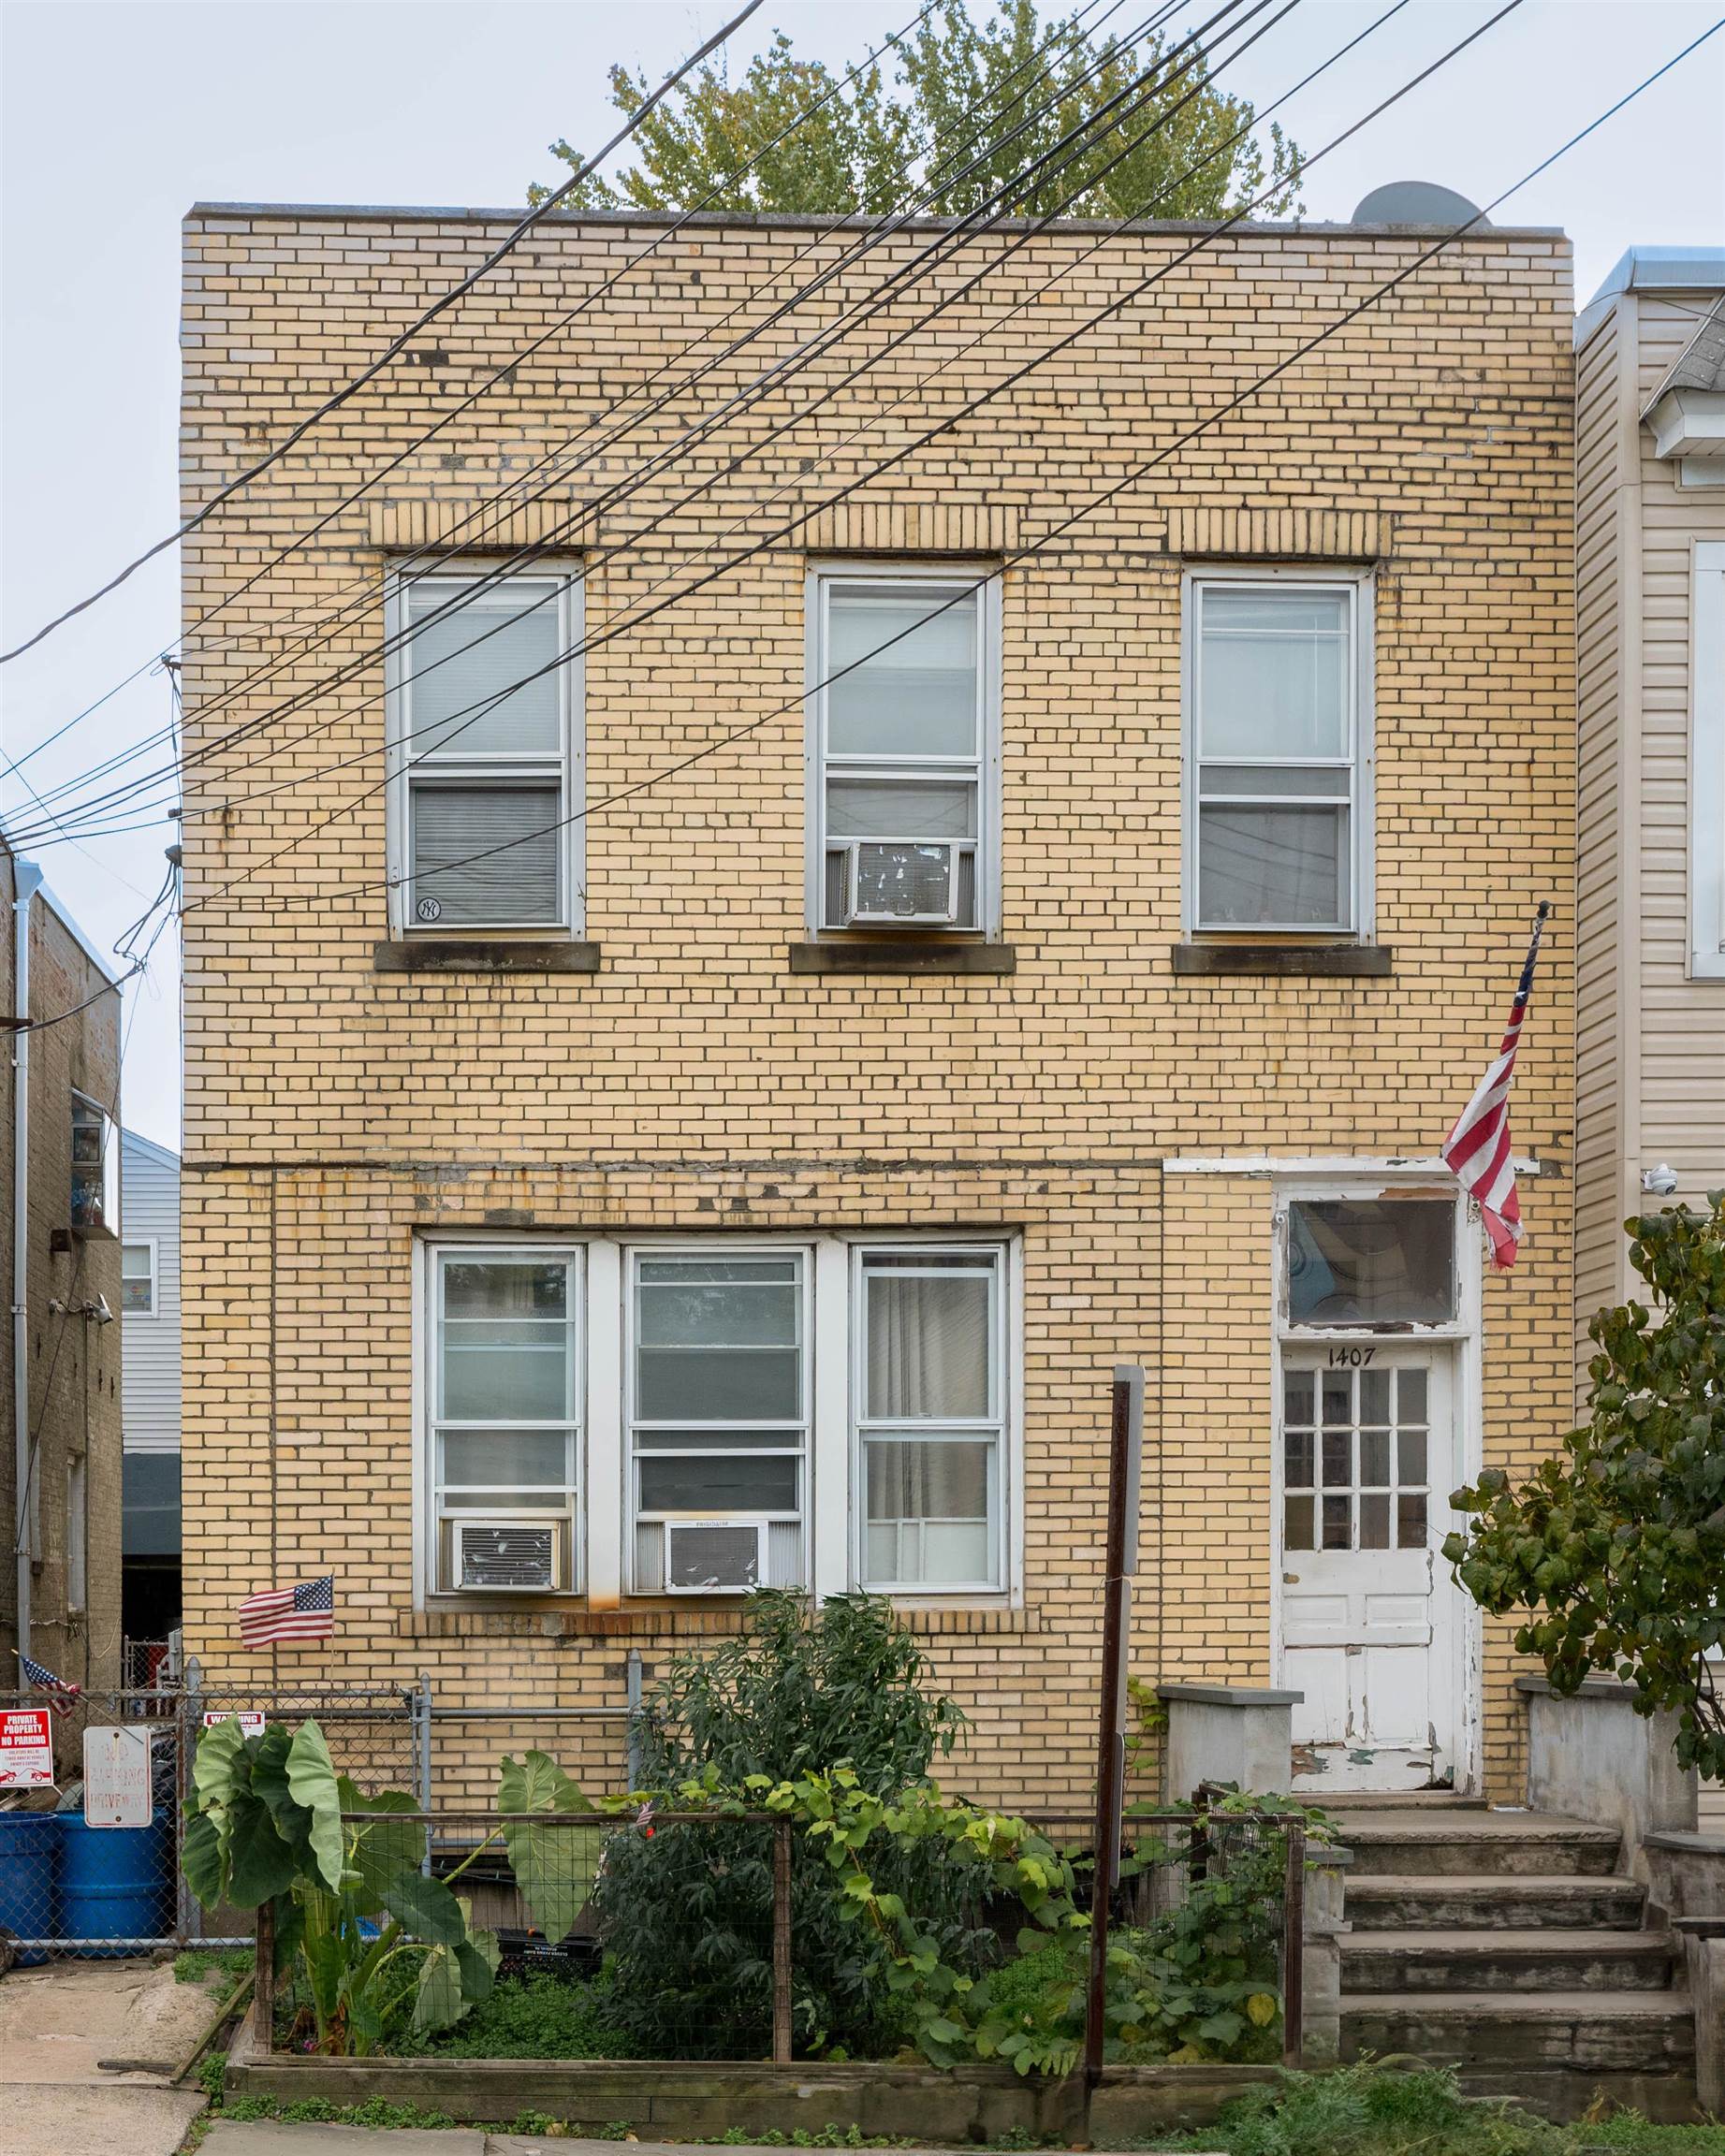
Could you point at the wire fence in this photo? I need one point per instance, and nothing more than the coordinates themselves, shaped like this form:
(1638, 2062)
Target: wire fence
(691, 1936)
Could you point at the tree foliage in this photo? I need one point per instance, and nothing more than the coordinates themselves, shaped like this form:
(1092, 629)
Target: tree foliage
(972, 109)
(1619, 1544)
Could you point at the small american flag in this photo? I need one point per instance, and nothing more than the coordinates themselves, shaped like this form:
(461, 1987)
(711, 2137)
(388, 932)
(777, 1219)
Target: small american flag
(1477, 1150)
(303, 1613)
(62, 1697)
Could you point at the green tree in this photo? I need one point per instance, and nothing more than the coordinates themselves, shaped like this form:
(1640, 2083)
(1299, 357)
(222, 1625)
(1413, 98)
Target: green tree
(1619, 1544)
(997, 96)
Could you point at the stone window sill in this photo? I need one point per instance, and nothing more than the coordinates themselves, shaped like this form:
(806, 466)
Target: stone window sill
(1286, 958)
(449, 955)
(902, 954)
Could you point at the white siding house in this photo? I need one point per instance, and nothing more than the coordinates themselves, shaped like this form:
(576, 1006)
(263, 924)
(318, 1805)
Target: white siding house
(149, 1384)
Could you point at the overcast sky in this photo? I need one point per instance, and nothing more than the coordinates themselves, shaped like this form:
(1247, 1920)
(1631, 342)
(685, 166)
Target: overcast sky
(117, 118)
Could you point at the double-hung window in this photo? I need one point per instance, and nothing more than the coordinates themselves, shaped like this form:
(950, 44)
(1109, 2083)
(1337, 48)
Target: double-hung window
(485, 754)
(137, 1279)
(1278, 760)
(719, 1411)
(904, 717)
(929, 1391)
(505, 1417)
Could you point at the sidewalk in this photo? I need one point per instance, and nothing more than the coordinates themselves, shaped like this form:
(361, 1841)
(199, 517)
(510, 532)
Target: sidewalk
(273, 2137)
(56, 2023)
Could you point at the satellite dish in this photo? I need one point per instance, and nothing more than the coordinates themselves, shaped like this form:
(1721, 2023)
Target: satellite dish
(1416, 202)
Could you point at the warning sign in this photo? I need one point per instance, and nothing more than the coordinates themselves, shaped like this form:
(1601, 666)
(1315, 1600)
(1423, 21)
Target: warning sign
(117, 1777)
(250, 1719)
(26, 1748)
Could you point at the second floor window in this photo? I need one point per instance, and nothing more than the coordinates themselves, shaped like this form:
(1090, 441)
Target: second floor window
(137, 1279)
(1277, 750)
(96, 1169)
(485, 745)
(904, 718)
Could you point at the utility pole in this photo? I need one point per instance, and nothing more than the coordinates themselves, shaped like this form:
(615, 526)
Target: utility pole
(1125, 1463)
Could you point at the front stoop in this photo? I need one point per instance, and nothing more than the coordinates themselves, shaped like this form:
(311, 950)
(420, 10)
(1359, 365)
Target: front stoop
(1507, 1944)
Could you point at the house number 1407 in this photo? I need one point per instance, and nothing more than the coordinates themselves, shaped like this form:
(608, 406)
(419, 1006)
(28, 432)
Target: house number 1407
(1350, 1358)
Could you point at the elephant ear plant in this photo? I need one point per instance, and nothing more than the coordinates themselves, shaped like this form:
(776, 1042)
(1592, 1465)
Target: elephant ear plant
(373, 1941)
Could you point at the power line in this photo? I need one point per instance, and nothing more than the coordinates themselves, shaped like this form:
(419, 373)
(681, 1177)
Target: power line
(559, 536)
(1136, 474)
(398, 344)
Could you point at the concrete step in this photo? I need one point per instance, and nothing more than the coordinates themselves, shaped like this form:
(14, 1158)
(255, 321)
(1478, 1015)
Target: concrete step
(1492, 1902)
(1425, 1844)
(1588, 2031)
(1499, 1961)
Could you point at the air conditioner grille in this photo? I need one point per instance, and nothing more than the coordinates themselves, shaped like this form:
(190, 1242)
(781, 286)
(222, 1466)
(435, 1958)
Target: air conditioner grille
(903, 880)
(712, 1557)
(508, 1555)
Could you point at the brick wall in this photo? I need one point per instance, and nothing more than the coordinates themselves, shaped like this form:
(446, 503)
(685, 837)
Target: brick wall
(694, 1083)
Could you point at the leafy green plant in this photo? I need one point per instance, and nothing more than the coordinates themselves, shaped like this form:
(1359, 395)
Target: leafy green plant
(1618, 1543)
(1373, 2108)
(534, 2017)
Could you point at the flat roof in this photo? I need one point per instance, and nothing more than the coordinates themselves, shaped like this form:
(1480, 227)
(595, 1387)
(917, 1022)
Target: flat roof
(391, 214)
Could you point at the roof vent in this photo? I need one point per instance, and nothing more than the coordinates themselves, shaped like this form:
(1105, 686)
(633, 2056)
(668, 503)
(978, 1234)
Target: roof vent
(1416, 202)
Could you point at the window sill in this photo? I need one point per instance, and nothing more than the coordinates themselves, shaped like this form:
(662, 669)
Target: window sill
(445, 1617)
(904, 954)
(1286, 958)
(447, 955)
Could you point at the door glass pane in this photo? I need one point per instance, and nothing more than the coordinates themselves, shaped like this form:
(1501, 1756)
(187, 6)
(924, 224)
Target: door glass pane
(1297, 1521)
(927, 1345)
(469, 691)
(1386, 1261)
(1374, 1395)
(1285, 868)
(1337, 1459)
(1375, 1520)
(1337, 1522)
(1273, 671)
(505, 1459)
(1298, 1387)
(1337, 1396)
(1410, 1519)
(1374, 1459)
(1411, 1396)
(1297, 1471)
(719, 1482)
(1410, 1447)
(913, 693)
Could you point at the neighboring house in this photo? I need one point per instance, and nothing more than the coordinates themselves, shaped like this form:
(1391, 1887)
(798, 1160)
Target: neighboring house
(1650, 554)
(60, 1361)
(598, 1202)
(150, 1389)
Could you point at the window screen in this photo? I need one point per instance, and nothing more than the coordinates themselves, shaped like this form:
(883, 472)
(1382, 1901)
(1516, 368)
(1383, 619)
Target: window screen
(1275, 736)
(903, 724)
(485, 721)
(930, 1416)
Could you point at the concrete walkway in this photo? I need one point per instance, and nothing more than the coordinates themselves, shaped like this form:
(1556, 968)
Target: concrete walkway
(57, 2022)
(241, 2138)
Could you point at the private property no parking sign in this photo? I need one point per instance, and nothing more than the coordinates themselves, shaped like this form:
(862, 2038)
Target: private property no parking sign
(26, 1748)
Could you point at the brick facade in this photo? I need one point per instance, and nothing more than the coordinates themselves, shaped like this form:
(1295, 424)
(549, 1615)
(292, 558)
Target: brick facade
(336, 1109)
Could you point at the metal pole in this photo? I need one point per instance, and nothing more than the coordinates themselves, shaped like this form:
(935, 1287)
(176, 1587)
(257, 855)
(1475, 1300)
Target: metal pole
(782, 1943)
(422, 1717)
(1126, 1437)
(631, 1679)
(263, 1994)
(1293, 1949)
(188, 1724)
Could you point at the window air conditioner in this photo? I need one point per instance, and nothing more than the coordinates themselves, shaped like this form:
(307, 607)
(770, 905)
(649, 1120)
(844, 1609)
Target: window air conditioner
(508, 1556)
(896, 881)
(714, 1556)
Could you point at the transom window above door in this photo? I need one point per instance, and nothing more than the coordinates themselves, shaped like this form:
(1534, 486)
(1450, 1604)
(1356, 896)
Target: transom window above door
(1359, 1262)
(903, 718)
(1278, 749)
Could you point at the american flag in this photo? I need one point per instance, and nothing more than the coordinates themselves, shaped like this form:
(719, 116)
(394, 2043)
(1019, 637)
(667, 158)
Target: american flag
(1477, 1150)
(62, 1697)
(303, 1613)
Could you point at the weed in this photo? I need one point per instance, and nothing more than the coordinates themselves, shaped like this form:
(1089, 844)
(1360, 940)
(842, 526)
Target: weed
(201, 1964)
(538, 2017)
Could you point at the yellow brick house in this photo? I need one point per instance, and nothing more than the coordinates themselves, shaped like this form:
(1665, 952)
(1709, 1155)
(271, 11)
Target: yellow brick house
(694, 1080)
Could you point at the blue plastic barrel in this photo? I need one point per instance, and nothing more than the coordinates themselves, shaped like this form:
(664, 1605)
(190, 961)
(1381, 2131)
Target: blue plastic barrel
(29, 1843)
(115, 1883)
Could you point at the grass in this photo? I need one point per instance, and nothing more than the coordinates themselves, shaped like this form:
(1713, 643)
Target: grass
(201, 1964)
(538, 2017)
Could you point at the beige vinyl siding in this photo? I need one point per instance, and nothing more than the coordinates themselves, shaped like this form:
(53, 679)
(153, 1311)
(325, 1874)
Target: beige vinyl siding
(1598, 644)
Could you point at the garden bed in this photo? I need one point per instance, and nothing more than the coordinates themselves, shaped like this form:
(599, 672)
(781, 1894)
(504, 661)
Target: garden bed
(679, 2100)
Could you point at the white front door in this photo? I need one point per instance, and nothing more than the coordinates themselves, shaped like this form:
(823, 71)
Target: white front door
(1367, 1606)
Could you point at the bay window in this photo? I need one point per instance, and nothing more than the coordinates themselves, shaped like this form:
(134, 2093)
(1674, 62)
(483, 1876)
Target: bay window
(1277, 752)
(485, 724)
(904, 718)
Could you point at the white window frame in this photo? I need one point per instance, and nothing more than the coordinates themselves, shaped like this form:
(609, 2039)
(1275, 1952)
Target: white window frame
(570, 764)
(715, 1248)
(1708, 763)
(985, 768)
(109, 1223)
(995, 1426)
(147, 1244)
(432, 1257)
(1359, 584)
(602, 1547)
